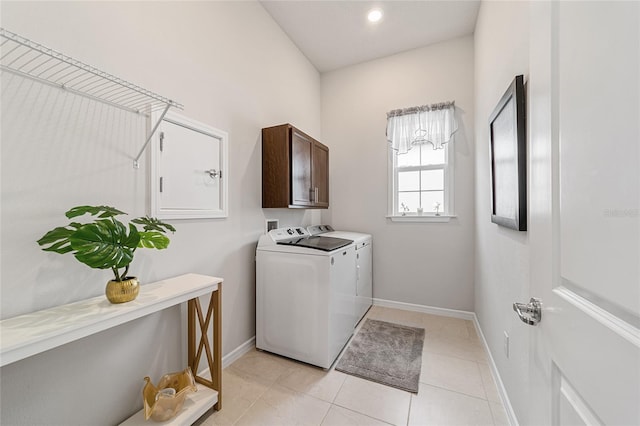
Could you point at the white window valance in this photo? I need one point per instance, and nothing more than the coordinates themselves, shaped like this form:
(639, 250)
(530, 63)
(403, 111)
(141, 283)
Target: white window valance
(417, 125)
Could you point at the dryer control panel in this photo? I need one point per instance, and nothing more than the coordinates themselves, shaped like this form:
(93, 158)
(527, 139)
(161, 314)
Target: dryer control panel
(319, 229)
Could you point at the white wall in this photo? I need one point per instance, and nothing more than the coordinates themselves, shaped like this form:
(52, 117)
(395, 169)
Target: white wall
(233, 68)
(423, 263)
(502, 254)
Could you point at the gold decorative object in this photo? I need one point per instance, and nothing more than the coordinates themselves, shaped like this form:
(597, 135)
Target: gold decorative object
(122, 291)
(164, 401)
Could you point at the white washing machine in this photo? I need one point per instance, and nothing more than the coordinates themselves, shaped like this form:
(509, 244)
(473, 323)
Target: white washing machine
(305, 293)
(364, 264)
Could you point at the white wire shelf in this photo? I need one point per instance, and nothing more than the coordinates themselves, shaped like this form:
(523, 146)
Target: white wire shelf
(26, 58)
(23, 57)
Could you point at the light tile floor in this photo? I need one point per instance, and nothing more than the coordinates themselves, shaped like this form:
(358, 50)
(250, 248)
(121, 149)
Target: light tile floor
(456, 386)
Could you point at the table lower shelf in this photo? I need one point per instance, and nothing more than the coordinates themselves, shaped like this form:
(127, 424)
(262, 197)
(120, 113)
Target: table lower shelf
(195, 405)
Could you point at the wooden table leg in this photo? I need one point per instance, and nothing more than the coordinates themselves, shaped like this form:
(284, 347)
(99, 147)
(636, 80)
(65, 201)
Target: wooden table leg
(217, 345)
(214, 359)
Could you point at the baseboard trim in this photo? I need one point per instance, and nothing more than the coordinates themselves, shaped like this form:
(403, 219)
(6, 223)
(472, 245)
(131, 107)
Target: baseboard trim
(511, 415)
(228, 359)
(425, 309)
(247, 346)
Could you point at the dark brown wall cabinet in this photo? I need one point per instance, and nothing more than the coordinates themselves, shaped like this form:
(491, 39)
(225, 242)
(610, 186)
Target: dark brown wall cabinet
(295, 169)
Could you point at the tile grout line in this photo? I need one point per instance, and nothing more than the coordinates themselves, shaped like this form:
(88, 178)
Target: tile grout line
(493, 417)
(341, 386)
(452, 356)
(258, 398)
(484, 386)
(361, 414)
(250, 405)
(454, 391)
(410, 404)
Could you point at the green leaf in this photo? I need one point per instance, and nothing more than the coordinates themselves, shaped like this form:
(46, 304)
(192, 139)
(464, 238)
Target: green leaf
(58, 238)
(105, 244)
(134, 237)
(60, 247)
(153, 224)
(101, 211)
(153, 239)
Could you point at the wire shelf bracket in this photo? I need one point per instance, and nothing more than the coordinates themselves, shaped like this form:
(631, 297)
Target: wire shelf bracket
(23, 57)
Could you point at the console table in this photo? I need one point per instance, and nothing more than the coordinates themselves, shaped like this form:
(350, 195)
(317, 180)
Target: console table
(36, 332)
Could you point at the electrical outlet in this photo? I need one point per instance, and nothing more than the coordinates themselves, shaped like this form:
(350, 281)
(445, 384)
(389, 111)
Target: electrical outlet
(506, 344)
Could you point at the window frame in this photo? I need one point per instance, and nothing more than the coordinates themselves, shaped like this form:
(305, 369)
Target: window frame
(392, 193)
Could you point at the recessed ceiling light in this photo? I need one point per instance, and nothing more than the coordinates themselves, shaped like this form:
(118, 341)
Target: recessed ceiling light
(374, 15)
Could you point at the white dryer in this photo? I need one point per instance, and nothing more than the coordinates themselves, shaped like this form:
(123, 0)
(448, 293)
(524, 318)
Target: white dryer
(305, 293)
(364, 264)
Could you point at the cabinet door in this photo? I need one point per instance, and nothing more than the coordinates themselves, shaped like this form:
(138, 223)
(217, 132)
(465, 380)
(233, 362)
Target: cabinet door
(188, 170)
(320, 175)
(301, 184)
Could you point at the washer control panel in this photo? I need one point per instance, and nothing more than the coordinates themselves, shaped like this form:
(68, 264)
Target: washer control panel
(281, 234)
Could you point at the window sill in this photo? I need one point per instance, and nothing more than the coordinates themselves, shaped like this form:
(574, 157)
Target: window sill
(424, 218)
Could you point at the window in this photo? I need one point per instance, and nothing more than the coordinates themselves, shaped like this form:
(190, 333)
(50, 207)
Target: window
(419, 179)
(421, 161)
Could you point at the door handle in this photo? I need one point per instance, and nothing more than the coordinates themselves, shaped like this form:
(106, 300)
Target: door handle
(313, 193)
(213, 173)
(530, 313)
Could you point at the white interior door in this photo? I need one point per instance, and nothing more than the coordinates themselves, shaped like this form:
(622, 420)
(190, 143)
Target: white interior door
(584, 222)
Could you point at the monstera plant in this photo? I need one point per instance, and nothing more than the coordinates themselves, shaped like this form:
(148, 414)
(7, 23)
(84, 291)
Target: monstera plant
(106, 243)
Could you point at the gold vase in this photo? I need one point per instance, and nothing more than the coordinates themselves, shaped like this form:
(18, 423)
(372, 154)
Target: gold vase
(122, 291)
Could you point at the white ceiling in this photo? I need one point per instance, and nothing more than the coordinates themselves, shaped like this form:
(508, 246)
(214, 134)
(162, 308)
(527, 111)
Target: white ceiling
(335, 34)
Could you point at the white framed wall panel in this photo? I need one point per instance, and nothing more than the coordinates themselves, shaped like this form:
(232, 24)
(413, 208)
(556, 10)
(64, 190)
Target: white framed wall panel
(189, 170)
